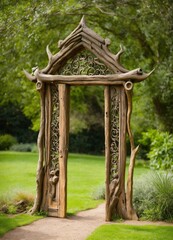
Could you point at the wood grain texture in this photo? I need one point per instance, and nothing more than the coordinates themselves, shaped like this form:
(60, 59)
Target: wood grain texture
(64, 91)
(107, 152)
(40, 166)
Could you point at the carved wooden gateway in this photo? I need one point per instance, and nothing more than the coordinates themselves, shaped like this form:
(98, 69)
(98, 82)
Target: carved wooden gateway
(84, 59)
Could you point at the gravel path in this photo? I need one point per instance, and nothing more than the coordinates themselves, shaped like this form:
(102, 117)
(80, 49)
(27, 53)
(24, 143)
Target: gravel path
(76, 227)
(73, 228)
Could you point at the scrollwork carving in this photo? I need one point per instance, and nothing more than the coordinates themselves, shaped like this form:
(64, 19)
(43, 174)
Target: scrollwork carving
(84, 63)
(54, 151)
(114, 145)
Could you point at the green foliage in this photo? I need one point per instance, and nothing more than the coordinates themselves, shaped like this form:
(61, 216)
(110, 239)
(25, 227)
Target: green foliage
(9, 223)
(14, 122)
(159, 146)
(90, 141)
(6, 141)
(24, 147)
(124, 232)
(161, 153)
(27, 27)
(153, 197)
(21, 202)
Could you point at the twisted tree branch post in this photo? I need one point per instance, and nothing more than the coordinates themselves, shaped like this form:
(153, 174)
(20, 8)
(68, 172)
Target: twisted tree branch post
(129, 194)
(40, 144)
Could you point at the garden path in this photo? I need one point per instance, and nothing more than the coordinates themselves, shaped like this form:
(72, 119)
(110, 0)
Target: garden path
(76, 227)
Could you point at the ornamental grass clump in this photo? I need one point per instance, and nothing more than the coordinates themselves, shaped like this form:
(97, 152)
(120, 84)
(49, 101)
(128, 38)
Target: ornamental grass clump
(153, 197)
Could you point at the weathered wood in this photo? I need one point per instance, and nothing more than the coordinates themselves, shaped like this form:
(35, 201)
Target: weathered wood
(100, 79)
(73, 39)
(74, 32)
(63, 146)
(49, 54)
(107, 152)
(63, 56)
(129, 194)
(92, 49)
(90, 40)
(45, 198)
(122, 154)
(30, 76)
(131, 213)
(115, 58)
(106, 57)
(40, 144)
(94, 35)
(117, 185)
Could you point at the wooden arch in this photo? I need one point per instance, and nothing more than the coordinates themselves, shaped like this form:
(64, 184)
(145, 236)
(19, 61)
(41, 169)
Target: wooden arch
(84, 48)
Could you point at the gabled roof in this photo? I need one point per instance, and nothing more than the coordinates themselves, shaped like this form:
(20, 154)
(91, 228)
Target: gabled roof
(84, 38)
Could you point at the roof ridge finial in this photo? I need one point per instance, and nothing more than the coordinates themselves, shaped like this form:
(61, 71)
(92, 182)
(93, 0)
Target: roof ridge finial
(82, 21)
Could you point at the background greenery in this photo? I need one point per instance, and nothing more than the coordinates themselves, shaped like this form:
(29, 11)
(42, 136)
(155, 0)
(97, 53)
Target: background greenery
(144, 28)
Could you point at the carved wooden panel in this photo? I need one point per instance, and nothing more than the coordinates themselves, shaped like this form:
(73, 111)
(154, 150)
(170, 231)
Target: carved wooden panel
(54, 143)
(114, 132)
(84, 63)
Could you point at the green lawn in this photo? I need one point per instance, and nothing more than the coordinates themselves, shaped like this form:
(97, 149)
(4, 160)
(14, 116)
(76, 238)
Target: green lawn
(9, 223)
(85, 173)
(127, 232)
(18, 173)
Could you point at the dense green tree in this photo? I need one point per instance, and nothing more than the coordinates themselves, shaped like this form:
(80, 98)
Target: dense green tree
(14, 122)
(144, 27)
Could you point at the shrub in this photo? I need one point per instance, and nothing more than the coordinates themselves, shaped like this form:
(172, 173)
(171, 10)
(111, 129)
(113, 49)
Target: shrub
(160, 149)
(90, 141)
(153, 197)
(145, 142)
(161, 153)
(24, 147)
(6, 141)
(21, 202)
(99, 193)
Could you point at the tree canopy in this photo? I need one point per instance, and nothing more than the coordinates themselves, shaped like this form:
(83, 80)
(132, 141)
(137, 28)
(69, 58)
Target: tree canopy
(144, 28)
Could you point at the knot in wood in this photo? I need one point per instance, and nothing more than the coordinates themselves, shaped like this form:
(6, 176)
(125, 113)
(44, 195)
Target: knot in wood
(39, 85)
(128, 85)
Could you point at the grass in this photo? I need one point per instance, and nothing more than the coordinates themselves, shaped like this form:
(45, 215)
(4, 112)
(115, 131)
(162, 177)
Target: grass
(85, 173)
(8, 223)
(21, 175)
(124, 232)
(18, 174)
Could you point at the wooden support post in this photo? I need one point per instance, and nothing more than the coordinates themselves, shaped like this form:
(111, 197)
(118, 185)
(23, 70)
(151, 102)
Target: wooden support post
(115, 108)
(40, 144)
(107, 151)
(121, 208)
(44, 205)
(64, 92)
